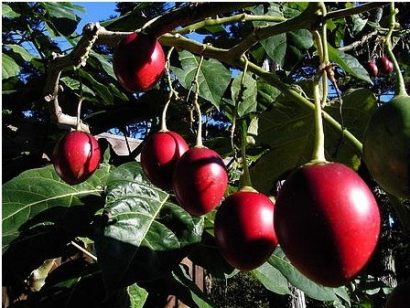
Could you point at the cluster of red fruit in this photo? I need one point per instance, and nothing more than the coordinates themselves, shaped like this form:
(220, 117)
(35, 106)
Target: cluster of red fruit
(244, 222)
(382, 65)
(326, 218)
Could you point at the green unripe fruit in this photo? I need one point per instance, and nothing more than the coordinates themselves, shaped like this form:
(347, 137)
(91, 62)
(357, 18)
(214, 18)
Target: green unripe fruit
(386, 147)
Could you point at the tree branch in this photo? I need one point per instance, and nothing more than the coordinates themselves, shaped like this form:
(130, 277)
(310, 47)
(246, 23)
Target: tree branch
(361, 42)
(77, 58)
(355, 10)
(231, 19)
(191, 13)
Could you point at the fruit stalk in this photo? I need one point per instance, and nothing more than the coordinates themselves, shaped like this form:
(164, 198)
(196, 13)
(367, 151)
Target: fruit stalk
(78, 126)
(401, 87)
(164, 127)
(246, 177)
(196, 104)
(319, 141)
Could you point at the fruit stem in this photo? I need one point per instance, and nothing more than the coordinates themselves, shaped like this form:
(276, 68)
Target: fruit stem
(319, 141)
(197, 107)
(171, 93)
(400, 86)
(80, 102)
(245, 180)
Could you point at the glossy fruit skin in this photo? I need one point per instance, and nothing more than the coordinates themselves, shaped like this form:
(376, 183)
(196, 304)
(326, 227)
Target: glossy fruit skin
(244, 229)
(386, 146)
(138, 62)
(372, 68)
(159, 156)
(327, 222)
(76, 156)
(385, 65)
(199, 181)
(400, 296)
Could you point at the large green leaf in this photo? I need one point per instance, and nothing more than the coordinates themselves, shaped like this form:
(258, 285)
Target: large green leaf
(9, 67)
(311, 289)
(38, 197)
(146, 234)
(288, 130)
(271, 278)
(213, 77)
(349, 64)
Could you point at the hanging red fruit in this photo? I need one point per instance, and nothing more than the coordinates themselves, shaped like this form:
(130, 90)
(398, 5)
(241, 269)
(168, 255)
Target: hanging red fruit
(139, 62)
(76, 156)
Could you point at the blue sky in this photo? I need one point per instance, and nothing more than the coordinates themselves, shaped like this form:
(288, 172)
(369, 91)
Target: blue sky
(95, 11)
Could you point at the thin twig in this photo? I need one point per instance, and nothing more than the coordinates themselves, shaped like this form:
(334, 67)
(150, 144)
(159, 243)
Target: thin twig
(85, 251)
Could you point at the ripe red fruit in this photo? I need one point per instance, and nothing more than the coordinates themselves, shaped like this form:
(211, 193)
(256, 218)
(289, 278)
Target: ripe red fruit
(199, 180)
(372, 68)
(386, 146)
(327, 222)
(76, 156)
(244, 230)
(400, 297)
(385, 65)
(159, 155)
(138, 62)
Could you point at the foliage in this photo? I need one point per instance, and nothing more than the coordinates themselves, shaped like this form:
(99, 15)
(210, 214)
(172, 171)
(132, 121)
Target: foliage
(137, 231)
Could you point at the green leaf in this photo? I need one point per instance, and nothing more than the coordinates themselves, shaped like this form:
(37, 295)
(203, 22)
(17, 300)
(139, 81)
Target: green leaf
(146, 234)
(9, 67)
(8, 12)
(358, 23)
(74, 85)
(101, 62)
(138, 296)
(58, 10)
(266, 95)
(311, 289)
(272, 279)
(357, 109)
(288, 48)
(245, 98)
(349, 64)
(30, 199)
(25, 55)
(213, 77)
(275, 47)
(100, 89)
(129, 21)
